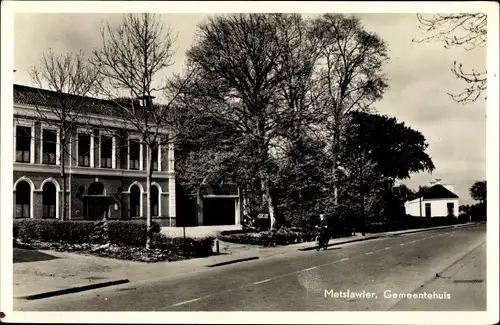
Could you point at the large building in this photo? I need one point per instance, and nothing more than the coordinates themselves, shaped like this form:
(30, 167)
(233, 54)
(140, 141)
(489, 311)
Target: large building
(105, 164)
(105, 168)
(437, 201)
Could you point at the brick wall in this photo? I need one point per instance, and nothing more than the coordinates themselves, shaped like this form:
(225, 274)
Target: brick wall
(112, 184)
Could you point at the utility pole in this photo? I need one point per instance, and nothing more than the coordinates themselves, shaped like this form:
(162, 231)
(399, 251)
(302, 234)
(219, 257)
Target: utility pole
(420, 199)
(362, 195)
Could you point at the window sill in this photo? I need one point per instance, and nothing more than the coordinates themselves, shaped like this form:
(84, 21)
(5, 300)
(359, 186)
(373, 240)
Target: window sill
(77, 170)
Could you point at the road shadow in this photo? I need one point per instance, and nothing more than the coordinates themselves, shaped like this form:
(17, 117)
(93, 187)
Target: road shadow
(23, 255)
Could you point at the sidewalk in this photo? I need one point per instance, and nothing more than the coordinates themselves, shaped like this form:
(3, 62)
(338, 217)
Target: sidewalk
(60, 270)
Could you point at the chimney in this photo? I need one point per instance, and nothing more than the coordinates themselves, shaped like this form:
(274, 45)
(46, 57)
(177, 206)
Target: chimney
(437, 181)
(145, 101)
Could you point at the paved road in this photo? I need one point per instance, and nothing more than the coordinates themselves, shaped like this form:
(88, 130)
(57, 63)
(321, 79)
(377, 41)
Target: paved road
(371, 270)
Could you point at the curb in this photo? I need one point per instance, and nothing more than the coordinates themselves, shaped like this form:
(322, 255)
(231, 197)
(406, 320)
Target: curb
(436, 228)
(393, 235)
(234, 261)
(73, 290)
(336, 244)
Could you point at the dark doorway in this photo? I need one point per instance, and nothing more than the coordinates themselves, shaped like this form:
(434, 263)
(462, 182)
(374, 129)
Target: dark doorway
(218, 211)
(49, 200)
(23, 199)
(96, 202)
(428, 210)
(135, 202)
(186, 208)
(155, 201)
(451, 209)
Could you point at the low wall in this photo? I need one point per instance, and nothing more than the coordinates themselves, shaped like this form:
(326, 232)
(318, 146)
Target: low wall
(202, 231)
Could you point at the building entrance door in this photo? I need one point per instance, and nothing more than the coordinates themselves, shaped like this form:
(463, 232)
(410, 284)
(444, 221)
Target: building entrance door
(451, 209)
(96, 203)
(97, 208)
(428, 210)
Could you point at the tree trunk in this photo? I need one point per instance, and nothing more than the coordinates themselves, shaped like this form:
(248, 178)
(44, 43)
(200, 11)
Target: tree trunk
(149, 177)
(199, 206)
(335, 158)
(267, 199)
(362, 197)
(244, 200)
(334, 179)
(63, 177)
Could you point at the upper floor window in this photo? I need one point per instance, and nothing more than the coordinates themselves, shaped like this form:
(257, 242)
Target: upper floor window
(49, 147)
(134, 154)
(106, 146)
(23, 144)
(84, 149)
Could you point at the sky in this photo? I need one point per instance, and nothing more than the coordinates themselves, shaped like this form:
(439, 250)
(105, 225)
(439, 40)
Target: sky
(419, 80)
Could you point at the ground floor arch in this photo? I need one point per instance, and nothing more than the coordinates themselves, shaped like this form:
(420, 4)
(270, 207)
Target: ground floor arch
(23, 198)
(50, 201)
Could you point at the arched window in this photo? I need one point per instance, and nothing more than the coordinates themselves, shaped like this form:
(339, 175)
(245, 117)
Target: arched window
(49, 198)
(23, 199)
(155, 201)
(96, 189)
(135, 201)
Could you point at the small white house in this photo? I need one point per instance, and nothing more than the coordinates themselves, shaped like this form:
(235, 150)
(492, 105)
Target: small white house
(438, 201)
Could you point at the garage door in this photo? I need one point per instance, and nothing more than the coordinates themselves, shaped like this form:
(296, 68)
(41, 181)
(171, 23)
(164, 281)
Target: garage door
(218, 211)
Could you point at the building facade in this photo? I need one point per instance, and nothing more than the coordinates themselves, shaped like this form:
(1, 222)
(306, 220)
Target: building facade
(438, 201)
(105, 165)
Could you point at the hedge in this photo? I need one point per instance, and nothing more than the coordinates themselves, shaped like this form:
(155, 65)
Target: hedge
(237, 231)
(192, 247)
(120, 232)
(273, 237)
(131, 233)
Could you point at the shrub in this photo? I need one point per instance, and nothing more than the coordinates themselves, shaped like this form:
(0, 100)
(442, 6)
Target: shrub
(129, 232)
(193, 247)
(15, 232)
(463, 218)
(239, 231)
(49, 230)
(283, 236)
(375, 227)
(83, 231)
(254, 238)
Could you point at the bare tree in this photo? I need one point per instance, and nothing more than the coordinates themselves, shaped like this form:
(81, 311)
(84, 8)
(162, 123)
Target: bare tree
(350, 75)
(132, 57)
(252, 73)
(71, 78)
(466, 30)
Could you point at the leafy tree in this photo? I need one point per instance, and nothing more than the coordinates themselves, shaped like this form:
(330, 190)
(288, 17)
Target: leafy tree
(282, 84)
(404, 193)
(300, 183)
(396, 149)
(415, 194)
(244, 78)
(465, 209)
(376, 150)
(478, 191)
(467, 30)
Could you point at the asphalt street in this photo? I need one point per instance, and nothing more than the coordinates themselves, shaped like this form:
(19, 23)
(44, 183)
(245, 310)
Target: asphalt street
(363, 276)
